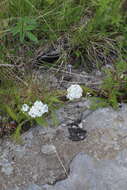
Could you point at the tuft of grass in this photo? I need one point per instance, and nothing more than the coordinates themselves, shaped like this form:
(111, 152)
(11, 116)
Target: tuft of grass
(97, 40)
(113, 89)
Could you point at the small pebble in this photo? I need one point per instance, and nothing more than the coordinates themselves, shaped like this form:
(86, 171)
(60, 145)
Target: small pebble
(48, 149)
(7, 169)
(80, 125)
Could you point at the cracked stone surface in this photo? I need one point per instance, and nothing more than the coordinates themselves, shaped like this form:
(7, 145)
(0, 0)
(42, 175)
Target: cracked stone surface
(87, 173)
(43, 160)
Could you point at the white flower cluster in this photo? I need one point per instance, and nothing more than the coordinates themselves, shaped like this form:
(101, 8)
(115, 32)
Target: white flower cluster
(37, 110)
(74, 92)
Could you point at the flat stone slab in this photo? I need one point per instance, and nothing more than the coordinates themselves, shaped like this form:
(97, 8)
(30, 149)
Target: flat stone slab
(45, 154)
(87, 173)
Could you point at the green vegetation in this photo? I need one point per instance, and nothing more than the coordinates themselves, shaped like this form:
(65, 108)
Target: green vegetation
(113, 90)
(96, 34)
(13, 96)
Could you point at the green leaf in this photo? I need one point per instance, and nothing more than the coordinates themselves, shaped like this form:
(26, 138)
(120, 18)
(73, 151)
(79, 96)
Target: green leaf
(113, 99)
(53, 99)
(32, 37)
(16, 136)
(22, 36)
(41, 121)
(54, 118)
(97, 102)
(50, 1)
(29, 27)
(11, 113)
(15, 30)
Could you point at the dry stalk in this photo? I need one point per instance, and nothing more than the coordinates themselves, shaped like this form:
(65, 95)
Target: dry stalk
(59, 159)
(9, 71)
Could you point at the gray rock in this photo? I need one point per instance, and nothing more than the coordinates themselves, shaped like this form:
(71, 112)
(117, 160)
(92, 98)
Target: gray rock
(103, 166)
(33, 187)
(28, 135)
(107, 118)
(7, 169)
(48, 149)
(122, 158)
(14, 188)
(19, 151)
(87, 173)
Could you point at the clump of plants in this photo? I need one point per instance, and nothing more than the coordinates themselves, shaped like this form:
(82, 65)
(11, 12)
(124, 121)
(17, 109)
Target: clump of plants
(31, 102)
(97, 40)
(27, 105)
(113, 90)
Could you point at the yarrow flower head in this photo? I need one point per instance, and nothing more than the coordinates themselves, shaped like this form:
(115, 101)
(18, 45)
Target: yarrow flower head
(25, 108)
(74, 91)
(38, 109)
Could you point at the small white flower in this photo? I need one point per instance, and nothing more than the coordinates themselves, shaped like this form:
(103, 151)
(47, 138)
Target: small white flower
(32, 112)
(122, 76)
(25, 108)
(74, 92)
(88, 94)
(38, 104)
(38, 109)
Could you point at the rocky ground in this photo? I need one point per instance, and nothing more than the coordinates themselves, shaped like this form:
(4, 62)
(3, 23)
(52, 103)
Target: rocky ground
(48, 160)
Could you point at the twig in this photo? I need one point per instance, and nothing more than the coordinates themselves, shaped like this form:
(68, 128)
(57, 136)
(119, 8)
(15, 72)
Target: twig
(7, 65)
(72, 73)
(59, 159)
(21, 80)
